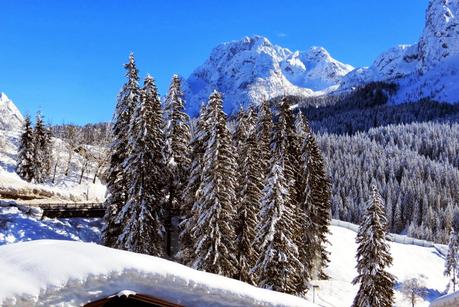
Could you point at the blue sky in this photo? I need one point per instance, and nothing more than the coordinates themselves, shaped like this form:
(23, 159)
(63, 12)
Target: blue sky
(65, 57)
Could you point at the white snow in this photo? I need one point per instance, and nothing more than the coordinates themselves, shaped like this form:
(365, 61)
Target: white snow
(253, 69)
(17, 226)
(429, 68)
(49, 272)
(10, 117)
(65, 187)
(40, 270)
(409, 261)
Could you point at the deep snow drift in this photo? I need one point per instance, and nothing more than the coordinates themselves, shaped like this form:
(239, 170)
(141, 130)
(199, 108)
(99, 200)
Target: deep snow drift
(41, 272)
(51, 272)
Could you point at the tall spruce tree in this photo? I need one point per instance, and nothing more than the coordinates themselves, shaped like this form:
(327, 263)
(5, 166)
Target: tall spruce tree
(315, 196)
(141, 216)
(452, 260)
(286, 145)
(117, 180)
(177, 132)
(264, 127)
(373, 257)
(42, 150)
(190, 208)
(279, 266)
(214, 248)
(25, 158)
(249, 195)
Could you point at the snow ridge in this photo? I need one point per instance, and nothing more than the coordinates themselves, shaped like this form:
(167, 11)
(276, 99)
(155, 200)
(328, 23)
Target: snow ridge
(252, 69)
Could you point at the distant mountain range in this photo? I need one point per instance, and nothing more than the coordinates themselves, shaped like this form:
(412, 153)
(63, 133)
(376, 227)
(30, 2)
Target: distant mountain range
(253, 69)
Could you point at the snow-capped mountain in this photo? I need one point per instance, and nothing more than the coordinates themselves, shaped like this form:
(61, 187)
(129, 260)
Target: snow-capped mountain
(10, 117)
(429, 68)
(252, 69)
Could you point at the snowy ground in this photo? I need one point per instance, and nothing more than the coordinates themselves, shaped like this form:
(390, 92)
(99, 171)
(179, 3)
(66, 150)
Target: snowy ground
(52, 272)
(92, 266)
(65, 188)
(16, 226)
(409, 261)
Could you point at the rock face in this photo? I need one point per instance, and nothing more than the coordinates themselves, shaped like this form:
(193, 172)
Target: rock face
(10, 117)
(252, 69)
(429, 68)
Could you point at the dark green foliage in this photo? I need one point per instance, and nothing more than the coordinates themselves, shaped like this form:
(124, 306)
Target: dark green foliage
(279, 266)
(42, 150)
(177, 133)
(248, 193)
(25, 159)
(214, 235)
(316, 204)
(117, 180)
(376, 285)
(141, 217)
(264, 127)
(452, 260)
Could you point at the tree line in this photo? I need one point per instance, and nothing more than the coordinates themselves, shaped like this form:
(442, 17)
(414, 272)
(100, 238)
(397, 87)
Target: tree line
(251, 203)
(413, 167)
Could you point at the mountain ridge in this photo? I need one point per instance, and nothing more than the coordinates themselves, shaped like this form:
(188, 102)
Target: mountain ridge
(252, 69)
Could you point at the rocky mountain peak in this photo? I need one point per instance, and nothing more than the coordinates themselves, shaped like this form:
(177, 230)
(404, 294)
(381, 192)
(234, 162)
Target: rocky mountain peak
(252, 69)
(10, 117)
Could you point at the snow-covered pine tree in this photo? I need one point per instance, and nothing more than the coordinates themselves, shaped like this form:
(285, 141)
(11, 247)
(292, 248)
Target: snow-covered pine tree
(240, 134)
(249, 196)
(373, 257)
(286, 146)
(117, 181)
(279, 266)
(177, 132)
(42, 150)
(264, 127)
(25, 158)
(190, 209)
(452, 260)
(214, 233)
(315, 200)
(141, 216)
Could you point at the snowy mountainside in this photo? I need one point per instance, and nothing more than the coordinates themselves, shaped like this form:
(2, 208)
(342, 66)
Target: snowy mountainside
(10, 117)
(429, 68)
(64, 187)
(252, 69)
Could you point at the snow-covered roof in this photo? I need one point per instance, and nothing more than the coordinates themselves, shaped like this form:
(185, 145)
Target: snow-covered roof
(450, 300)
(53, 272)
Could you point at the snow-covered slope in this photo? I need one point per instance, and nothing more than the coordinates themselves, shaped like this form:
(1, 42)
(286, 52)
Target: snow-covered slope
(429, 68)
(10, 117)
(36, 277)
(64, 187)
(65, 273)
(410, 261)
(252, 69)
